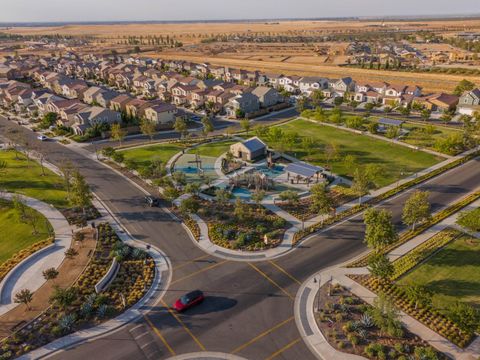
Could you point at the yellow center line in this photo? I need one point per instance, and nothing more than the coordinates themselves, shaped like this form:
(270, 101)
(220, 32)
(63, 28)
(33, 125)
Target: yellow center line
(285, 272)
(190, 262)
(272, 281)
(200, 345)
(286, 347)
(199, 271)
(159, 334)
(265, 333)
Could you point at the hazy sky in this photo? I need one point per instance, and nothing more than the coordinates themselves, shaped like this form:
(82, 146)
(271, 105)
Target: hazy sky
(108, 10)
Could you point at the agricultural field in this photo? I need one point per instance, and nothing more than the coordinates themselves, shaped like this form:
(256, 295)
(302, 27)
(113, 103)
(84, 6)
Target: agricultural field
(17, 235)
(142, 156)
(452, 274)
(25, 177)
(396, 161)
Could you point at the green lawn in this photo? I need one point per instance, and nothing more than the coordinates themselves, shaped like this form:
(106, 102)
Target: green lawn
(213, 149)
(143, 155)
(394, 160)
(425, 136)
(25, 177)
(16, 235)
(452, 274)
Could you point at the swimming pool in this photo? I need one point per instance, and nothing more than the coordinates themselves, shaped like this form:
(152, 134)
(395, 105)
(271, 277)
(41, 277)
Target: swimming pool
(242, 193)
(273, 172)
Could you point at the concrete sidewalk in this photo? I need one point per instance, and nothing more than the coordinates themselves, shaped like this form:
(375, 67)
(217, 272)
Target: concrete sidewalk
(316, 341)
(149, 301)
(28, 274)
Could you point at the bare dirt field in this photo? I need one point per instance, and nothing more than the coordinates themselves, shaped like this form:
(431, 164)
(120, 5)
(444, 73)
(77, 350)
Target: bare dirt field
(185, 30)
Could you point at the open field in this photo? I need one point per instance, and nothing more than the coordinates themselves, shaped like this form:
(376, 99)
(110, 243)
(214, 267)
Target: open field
(319, 26)
(393, 159)
(25, 177)
(17, 235)
(453, 274)
(143, 155)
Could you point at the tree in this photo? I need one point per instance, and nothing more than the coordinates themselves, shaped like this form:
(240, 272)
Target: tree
(317, 97)
(258, 196)
(386, 317)
(189, 206)
(117, 133)
(207, 126)
(416, 209)
(380, 230)
(179, 177)
(290, 196)
(48, 120)
(66, 168)
(241, 210)
(70, 253)
(322, 202)
(425, 114)
(380, 266)
(192, 188)
(463, 86)
(302, 103)
(392, 132)
(148, 128)
(419, 294)
(24, 296)
(223, 196)
(245, 124)
(470, 220)
(181, 126)
(350, 162)
(81, 196)
(50, 274)
(331, 153)
(63, 297)
(360, 184)
(338, 101)
(354, 122)
(20, 208)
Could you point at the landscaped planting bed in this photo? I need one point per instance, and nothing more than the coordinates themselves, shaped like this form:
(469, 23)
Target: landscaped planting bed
(346, 322)
(22, 255)
(410, 234)
(302, 210)
(242, 232)
(429, 316)
(80, 307)
(420, 253)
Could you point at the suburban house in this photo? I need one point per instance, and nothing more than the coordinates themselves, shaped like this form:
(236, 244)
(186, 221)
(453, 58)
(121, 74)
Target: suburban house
(267, 96)
(119, 103)
(93, 115)
(161, 114)
(90, 94)
(249, 150)
(438, 102)
(307, 85)
(242, 105)
(469, 102)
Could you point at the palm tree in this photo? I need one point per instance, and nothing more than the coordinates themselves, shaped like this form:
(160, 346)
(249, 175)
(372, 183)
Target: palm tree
(24, 296)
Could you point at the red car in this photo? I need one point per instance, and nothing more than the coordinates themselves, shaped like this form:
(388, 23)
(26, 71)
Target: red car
(189, 300)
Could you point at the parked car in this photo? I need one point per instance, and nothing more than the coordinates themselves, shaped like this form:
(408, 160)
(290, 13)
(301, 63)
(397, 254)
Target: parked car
(189, 300)
(42, 138)
(151, 201)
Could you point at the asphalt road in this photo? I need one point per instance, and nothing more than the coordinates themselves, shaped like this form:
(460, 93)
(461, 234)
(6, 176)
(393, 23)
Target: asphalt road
(249, 306)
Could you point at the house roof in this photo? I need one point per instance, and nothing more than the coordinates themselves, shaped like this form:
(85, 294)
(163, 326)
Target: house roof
(303, 169)
(261, 90)
(390, 122)
(254, 144)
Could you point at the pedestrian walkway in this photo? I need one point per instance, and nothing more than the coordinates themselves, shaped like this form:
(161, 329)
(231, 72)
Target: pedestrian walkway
(28, 274)
(316, 341)
(141, 308)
